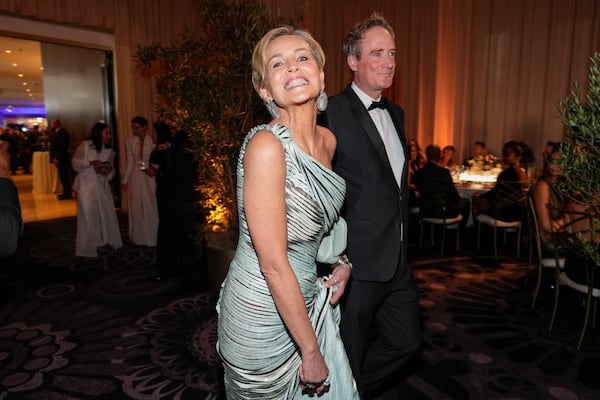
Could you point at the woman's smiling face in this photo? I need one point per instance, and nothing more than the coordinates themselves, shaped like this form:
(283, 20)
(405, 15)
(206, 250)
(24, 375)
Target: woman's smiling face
(293, 76)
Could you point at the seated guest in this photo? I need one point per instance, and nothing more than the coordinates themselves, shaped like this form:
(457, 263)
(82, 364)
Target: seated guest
(549, 201)
(11, 222)
(516, 156)
(448, 161)
(480, 153)
(549, 149)
(415, 162)
(439, 195)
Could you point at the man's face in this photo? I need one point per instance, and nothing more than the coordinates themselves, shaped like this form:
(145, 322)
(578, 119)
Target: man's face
(478, 150)
(138, 129)
(374, 72)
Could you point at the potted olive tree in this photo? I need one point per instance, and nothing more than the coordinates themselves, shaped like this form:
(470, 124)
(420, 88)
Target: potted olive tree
(580, 152)
(204, 84)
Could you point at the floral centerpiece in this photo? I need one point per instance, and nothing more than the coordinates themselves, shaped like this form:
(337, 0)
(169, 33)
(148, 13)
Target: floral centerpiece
(479, 164)
(481, 169)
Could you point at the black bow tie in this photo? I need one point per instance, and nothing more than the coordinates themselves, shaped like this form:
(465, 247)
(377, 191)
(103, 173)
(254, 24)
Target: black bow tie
(378, 104)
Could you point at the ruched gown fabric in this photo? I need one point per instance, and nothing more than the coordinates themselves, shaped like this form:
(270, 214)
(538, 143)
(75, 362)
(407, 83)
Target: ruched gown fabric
(260, 358)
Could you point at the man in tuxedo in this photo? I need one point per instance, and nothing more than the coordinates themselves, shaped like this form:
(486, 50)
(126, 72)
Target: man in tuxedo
(59, 155)
(439, 195)
(170, 163)
(380, 323)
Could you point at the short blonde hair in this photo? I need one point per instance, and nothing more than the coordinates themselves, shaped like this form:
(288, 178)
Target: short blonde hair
(259, 59)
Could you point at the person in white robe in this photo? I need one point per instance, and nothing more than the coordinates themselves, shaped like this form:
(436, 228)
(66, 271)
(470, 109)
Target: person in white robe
(97, 223)
(142, 211)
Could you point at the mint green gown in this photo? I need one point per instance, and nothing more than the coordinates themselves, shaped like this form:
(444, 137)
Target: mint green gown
(258, 353)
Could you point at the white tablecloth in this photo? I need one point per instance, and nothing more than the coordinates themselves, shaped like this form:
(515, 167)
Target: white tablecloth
(45, 176)
(467, 192)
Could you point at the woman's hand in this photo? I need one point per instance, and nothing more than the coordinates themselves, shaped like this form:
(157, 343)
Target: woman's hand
(338, 281)
(150, 171)
(314, 374)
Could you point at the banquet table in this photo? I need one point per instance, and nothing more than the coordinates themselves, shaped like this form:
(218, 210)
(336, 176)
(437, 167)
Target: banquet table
(45, 176)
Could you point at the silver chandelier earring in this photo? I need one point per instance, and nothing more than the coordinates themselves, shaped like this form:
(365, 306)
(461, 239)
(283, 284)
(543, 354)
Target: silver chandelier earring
(272, 108)
(322, 101)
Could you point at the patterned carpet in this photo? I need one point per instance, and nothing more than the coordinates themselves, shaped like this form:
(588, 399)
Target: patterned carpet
(73, 328)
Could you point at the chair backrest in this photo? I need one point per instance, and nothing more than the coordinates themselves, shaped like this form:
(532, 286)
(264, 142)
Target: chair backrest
(510, 201)
(534, 227)
(435, 198)
(580, 234)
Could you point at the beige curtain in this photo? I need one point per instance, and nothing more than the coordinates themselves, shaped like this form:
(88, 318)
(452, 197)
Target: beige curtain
(490, 70)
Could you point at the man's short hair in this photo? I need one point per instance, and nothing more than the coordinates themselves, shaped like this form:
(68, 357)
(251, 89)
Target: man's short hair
(433, 153)
(141, 121)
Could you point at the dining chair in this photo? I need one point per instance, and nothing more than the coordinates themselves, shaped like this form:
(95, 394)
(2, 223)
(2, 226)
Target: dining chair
(546, 257)
(436, 210)
(507, 214)
(446, 223)
(573, 237)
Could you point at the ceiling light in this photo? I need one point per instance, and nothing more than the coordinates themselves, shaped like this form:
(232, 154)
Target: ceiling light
(14, 64)
(8, 51)
(20, 75)
(24, 83)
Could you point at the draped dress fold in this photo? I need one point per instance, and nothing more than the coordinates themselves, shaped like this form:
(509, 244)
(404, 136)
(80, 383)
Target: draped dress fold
(260, 358)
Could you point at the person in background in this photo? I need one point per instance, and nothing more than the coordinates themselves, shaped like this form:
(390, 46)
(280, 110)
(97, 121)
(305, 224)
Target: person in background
(416, 161)
(480, 153)
(97, 223)
(516, 156)
(168, 165)
(141, 186)
(11, 221)
(278, 332)
(372, 157)
(59, 156)
(434, 183)
(549, 149)
(447, 160)
(546, 193)
(11, 137)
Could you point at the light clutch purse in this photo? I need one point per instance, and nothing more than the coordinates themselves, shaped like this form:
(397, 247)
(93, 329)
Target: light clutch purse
(333, 243)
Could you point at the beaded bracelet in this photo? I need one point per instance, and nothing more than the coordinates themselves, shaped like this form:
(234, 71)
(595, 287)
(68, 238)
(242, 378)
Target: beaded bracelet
(342, 259)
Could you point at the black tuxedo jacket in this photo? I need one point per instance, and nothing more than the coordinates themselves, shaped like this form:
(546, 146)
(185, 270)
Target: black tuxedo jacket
(439, 195)
(375, 209)
(59, 146)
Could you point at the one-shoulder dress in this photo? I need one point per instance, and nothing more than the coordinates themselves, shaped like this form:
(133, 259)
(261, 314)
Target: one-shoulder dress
(260, 358)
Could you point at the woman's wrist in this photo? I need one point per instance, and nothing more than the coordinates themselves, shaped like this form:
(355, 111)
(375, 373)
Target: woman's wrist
(342, 260)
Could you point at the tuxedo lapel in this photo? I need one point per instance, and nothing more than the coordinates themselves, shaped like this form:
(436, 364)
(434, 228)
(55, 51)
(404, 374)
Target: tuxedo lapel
(361, 113)
(398, 120)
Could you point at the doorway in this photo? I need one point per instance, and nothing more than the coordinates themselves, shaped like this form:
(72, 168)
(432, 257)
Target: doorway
(78, 89)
